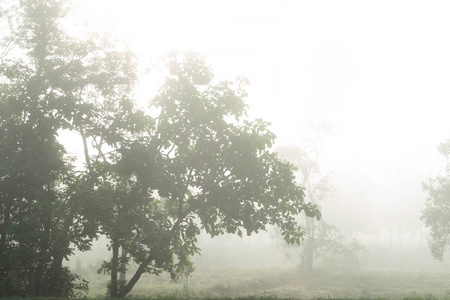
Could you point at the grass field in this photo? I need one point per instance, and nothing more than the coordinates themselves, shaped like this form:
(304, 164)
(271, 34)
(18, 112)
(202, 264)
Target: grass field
(291, 283)
(249, 271)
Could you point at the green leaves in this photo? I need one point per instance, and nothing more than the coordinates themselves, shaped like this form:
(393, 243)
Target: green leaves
(198, 164)
(150, 183)
(435, 215)
(55, 82)
(190, 66)
(236, 179)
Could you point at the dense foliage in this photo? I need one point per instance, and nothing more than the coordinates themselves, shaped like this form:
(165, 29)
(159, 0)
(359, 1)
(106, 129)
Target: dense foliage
(436, 214)
(151, 179)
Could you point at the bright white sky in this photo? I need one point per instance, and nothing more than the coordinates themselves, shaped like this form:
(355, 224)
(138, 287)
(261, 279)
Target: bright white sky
(378, 71)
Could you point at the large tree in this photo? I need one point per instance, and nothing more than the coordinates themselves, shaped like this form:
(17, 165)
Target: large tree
(436, 214)
(193, 162)
(47, 79)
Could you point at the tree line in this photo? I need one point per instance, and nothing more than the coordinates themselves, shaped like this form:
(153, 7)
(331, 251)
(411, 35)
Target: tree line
(151, 179)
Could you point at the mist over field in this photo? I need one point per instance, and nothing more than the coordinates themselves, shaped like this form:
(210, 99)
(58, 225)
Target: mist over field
(375, 73)
(176, 185)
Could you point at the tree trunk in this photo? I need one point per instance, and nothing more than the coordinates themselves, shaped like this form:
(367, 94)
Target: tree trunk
(309, 244)
(114, 269)
(37, 283)
(62, 242)
(123, 266)
(141, 270)
(4, 267)
(130, 284)
(85, 149)
(421, 235)
(3, 227)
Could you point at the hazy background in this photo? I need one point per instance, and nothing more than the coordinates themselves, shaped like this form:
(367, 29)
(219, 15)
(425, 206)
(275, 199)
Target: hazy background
(377, 71)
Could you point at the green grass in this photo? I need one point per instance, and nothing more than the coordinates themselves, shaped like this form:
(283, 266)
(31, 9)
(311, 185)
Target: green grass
(282, 283)
(263, 297)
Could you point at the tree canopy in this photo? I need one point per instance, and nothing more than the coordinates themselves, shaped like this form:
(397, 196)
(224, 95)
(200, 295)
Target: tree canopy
(152, 178)
(198, 164)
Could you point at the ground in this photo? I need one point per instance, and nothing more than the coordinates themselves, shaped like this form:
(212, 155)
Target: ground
(291, 283)
(233, 267)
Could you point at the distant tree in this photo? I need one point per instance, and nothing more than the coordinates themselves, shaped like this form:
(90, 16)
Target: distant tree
(436, 214)
(331, 248)
(323, 240)
(317, 186)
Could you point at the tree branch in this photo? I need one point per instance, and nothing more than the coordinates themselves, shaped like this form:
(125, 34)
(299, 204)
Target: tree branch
(181, 197)
(86, 150)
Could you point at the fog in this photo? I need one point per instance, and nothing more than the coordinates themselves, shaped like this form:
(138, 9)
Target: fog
(375, 72)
